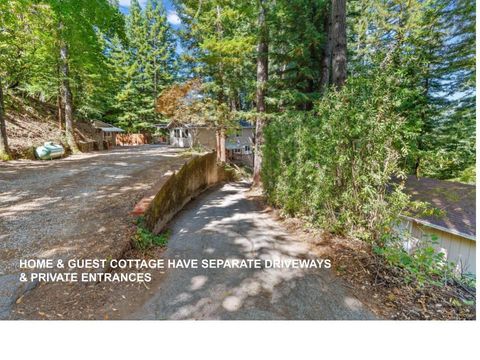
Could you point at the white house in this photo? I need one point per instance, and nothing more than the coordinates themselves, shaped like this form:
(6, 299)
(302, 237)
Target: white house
(239, 144)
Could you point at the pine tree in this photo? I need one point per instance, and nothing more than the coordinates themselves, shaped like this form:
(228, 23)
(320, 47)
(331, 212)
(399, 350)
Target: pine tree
(431, 46)
(147, 67)
(161, 57)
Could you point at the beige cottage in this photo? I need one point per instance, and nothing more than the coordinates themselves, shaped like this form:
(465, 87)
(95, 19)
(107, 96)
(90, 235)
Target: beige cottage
(239, 142)
(454, 230)
(190, 135)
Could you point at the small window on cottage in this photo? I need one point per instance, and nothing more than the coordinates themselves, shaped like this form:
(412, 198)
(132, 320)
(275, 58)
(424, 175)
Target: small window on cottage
(237, 151)
(176, 133)
(185, 133)
(246, 149)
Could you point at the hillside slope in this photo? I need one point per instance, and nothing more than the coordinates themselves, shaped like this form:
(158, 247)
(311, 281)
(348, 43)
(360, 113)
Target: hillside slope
(31, 122)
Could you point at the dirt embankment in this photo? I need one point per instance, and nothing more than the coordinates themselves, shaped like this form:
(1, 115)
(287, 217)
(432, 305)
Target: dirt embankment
(31, 122)
(381, 287)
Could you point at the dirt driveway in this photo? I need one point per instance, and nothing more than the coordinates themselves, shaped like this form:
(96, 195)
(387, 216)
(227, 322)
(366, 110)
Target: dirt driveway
(73, 207)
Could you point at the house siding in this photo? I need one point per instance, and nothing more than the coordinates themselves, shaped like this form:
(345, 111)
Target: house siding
(244, 139)
(197, 136)
(240, 148)
(205, 137)
(458, 249)
(180, 141)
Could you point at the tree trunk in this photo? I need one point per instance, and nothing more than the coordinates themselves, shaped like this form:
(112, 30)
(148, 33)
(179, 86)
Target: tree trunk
(326, 50)
(4, 149)
(417, 167)
(60, 116)
(220, 145)
(262, 77)
(223, 150)
(155, 78)
(339, 43)
(217, 143)
(67, 97)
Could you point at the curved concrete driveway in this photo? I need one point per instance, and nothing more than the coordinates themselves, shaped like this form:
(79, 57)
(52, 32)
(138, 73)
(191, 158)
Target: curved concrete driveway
(226, 223)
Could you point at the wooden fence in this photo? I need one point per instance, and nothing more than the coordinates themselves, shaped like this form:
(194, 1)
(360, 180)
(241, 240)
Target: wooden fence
(133, 139)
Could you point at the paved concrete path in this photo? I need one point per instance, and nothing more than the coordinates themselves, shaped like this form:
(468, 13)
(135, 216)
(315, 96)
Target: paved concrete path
(226, 223)
(74, 207)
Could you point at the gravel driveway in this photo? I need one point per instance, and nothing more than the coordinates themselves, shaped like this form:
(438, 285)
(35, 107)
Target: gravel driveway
(226, 223)
(74, 207)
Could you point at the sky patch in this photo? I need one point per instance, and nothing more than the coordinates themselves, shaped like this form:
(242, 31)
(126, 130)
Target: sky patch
(172, 18)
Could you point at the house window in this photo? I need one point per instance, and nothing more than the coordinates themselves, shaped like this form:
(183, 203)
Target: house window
(185, 133)
(237, 151)
(176, 133)
(246, 149)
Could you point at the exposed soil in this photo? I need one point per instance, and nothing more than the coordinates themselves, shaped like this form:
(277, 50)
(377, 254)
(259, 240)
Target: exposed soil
(93, 301)
(77, 207)
(382, 287)
(31, 122)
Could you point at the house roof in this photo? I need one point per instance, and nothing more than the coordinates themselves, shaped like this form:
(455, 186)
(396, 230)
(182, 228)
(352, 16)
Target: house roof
(455, 200)
(106, 127)
(173, 124)
(161, 126)
(245, 124)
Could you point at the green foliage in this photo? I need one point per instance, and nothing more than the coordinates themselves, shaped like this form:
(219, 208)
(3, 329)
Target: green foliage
(143, 66)
(467, 176)
(5, 157)
(423, 265)
(297, 45)
(144, 239)
(29, 49)
(219, 40)
(335, 165)
(434, 43)
(117, 67)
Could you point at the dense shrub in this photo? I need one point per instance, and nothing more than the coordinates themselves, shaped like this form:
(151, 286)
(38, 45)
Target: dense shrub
(423, 264)
(335, 165)
(144, 239)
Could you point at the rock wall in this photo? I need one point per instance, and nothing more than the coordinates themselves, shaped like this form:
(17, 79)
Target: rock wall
(194, 177)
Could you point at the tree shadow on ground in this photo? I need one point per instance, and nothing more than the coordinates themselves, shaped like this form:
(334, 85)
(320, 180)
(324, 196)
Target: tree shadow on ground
(224, 224)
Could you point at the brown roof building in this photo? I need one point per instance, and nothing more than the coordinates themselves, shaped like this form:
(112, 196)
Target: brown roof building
(455, 200)
(453, 228)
